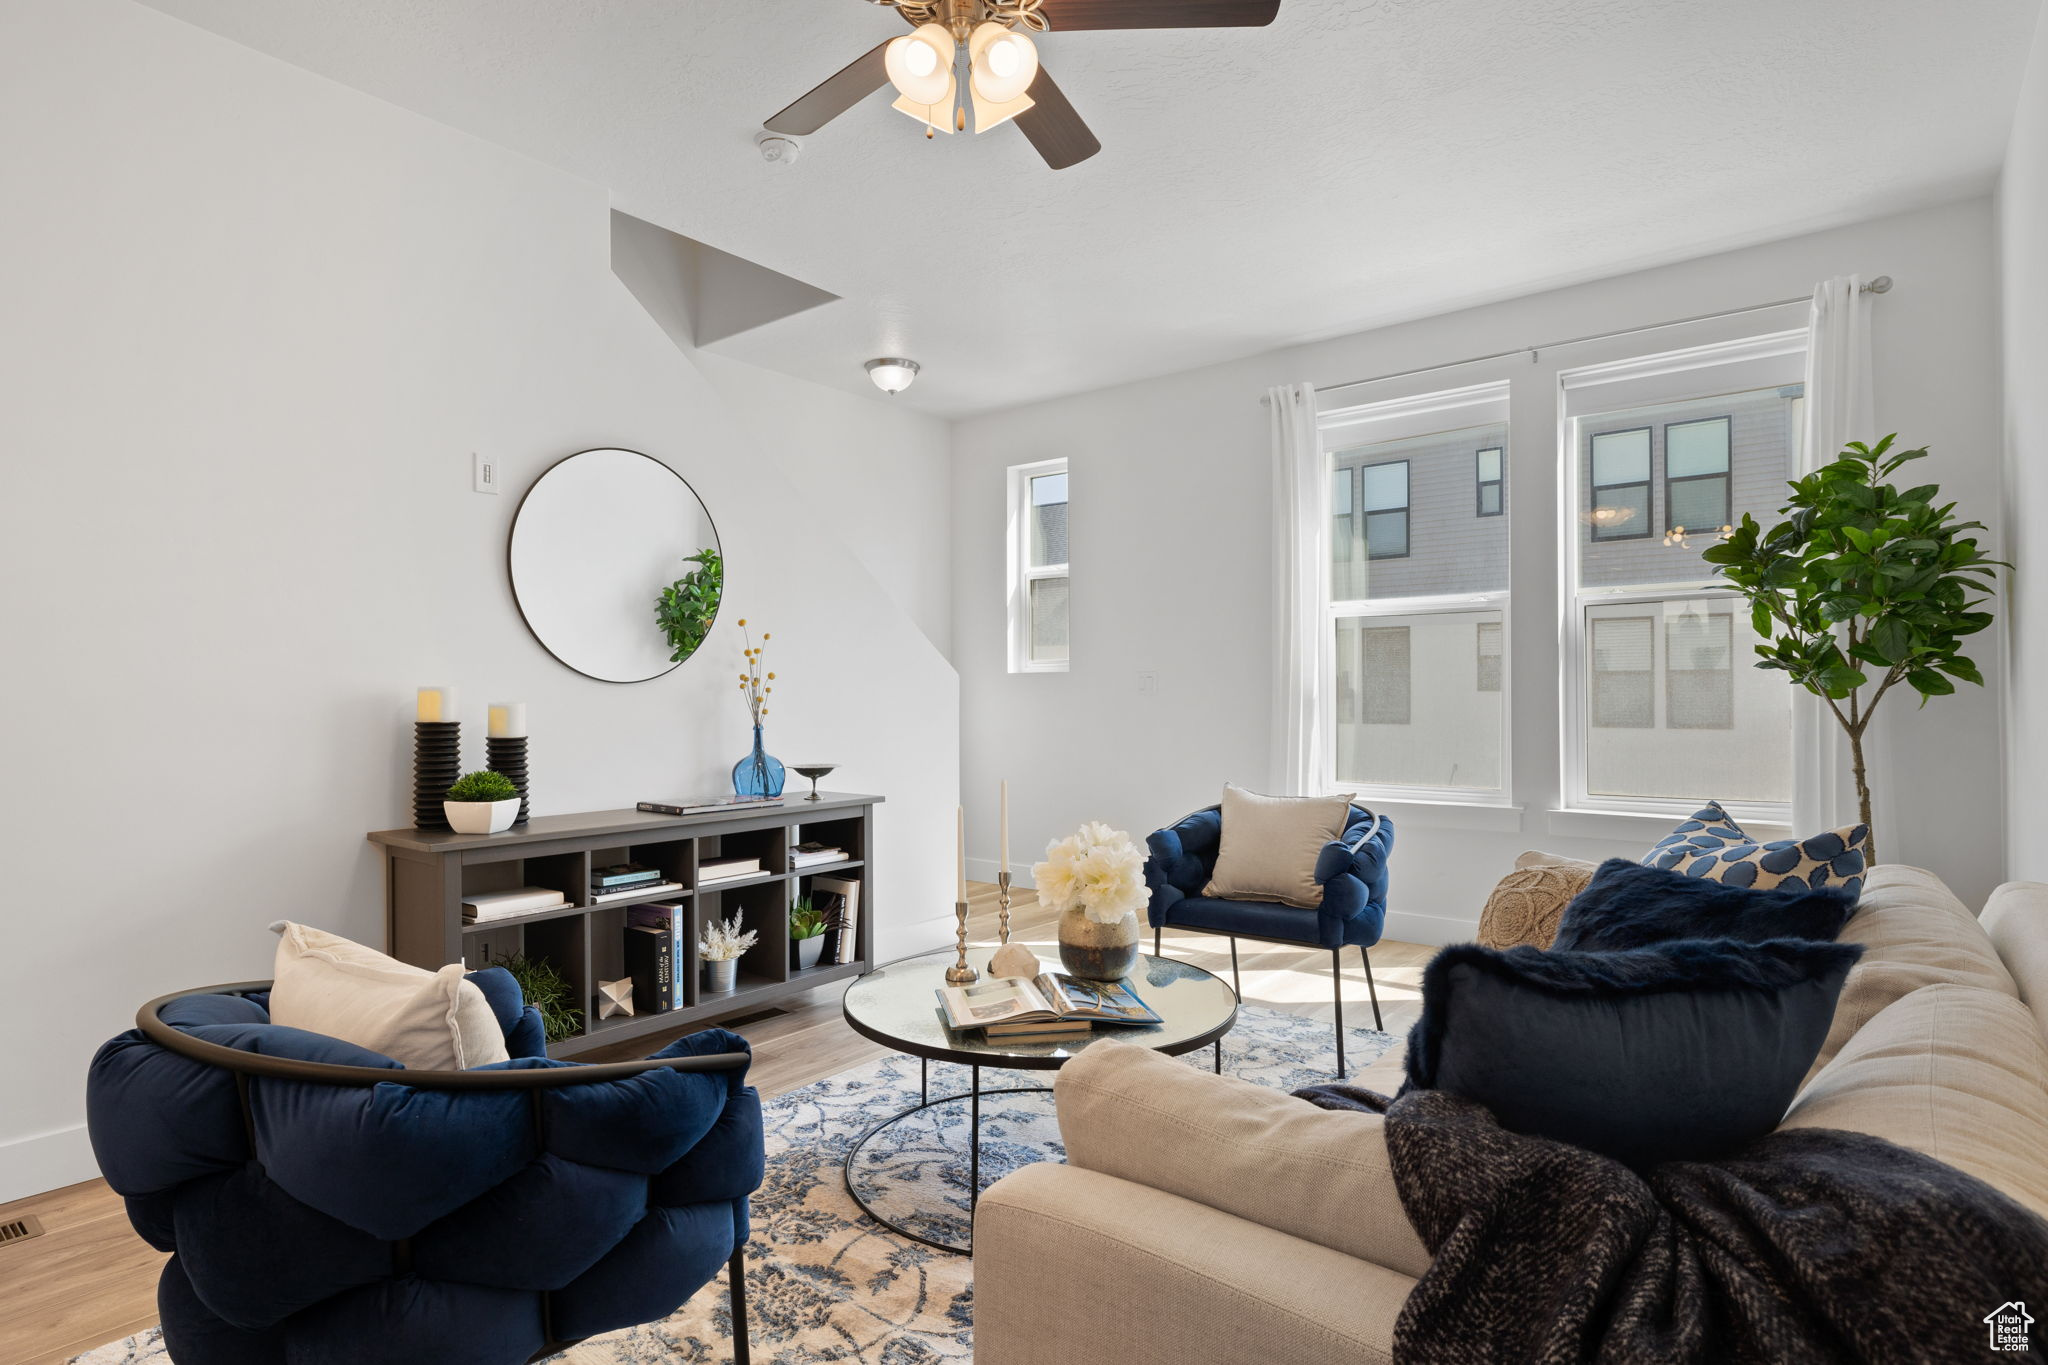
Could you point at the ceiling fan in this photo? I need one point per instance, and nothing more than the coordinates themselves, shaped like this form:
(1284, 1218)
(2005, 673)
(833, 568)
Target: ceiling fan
(978, 55)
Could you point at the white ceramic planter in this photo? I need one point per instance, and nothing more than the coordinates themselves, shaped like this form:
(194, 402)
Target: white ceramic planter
(480, 817)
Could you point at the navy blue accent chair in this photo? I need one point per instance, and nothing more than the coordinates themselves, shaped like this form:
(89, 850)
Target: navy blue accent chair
(326, 1206)
(1352, 870)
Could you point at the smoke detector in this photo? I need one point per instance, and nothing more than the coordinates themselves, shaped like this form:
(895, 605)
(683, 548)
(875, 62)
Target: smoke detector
(776, 149)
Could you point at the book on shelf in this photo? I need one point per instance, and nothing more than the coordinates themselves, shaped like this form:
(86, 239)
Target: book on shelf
(1049, 997)
(619, 893)
(484, 906)
(694, 805)
(810, 855)
(838, 900)
(623, 874)
(651, 956)
(727, 869)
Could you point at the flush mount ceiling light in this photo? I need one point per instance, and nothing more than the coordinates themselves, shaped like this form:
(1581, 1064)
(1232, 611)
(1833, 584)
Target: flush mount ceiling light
(892, 374)
(978, 55)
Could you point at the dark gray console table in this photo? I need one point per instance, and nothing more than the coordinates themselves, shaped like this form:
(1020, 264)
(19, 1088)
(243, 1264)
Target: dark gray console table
(427, 873)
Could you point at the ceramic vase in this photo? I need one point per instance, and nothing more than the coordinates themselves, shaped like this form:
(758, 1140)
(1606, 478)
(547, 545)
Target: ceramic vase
(1095, 951)
(481, 817)
(807, 951)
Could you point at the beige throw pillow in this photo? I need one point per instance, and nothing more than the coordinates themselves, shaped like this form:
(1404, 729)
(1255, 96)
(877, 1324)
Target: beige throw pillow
(1270, 845)
(425, 1021)
(1525, 907)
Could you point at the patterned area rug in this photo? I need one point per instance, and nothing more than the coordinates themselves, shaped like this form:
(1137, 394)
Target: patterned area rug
(825, 1283)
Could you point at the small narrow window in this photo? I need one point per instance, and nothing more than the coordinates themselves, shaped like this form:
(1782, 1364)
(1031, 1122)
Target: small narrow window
(1620, 484)
(1696, 474)
(1490, 481)
(1489, 655)
(1624, 696)
(1384, 496)
(1039, 584)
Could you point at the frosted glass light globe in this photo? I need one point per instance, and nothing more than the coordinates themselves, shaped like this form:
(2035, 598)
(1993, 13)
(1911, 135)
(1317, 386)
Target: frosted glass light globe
(920, 64)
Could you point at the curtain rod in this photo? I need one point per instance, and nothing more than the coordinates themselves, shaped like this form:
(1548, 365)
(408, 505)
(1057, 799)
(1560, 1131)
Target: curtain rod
(1881, 285)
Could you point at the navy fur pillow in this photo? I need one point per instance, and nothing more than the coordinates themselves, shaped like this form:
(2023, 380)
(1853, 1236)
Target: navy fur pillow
(1679, 1052)
(1628, 905)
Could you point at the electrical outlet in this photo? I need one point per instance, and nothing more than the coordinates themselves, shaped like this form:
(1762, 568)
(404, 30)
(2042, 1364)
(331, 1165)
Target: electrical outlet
(484, 472)
(1148, 684)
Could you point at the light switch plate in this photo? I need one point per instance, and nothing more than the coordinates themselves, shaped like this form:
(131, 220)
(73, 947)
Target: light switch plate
(1148, 684)
(484, 472)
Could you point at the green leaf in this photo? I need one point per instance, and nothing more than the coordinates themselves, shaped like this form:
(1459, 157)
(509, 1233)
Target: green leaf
(1960, 667)
(1929, 683)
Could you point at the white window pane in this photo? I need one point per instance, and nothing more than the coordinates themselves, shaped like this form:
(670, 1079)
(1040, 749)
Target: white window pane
(1340, 492)
(1489, 466)
(1621, 513)
(1700, 504)
(1386, 485)
(1048, 524)
(1621, 457)
(1488, 644)
(1489, 500)
(1048, 620)
(1048, 489)
(1696, 447)
(1725, 728)
(1386, 534)
(1409, 710)
(1436, 546)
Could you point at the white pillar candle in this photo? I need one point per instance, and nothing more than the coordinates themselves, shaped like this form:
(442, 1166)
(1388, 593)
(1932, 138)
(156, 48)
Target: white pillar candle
(507, 720)
(1005, 838)
(960, 849)
(436, 704)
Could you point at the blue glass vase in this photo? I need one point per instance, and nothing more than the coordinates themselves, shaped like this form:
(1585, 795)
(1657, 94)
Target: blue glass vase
(759, 773)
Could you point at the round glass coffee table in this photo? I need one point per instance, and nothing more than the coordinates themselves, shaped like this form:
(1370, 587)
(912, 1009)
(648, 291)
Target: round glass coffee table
(897, 1006)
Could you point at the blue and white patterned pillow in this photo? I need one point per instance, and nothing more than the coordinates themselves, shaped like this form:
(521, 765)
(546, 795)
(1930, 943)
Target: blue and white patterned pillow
(1711, 845)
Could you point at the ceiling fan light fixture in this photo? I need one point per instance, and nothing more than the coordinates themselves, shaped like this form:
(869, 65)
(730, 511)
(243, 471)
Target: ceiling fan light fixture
(937, 116)
(1002, 64)
(920, 64)
(892, 374)
(988, 115)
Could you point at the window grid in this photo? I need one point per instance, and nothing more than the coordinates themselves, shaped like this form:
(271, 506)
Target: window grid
(1617, 495)
(1685, 487)
(1491, 480)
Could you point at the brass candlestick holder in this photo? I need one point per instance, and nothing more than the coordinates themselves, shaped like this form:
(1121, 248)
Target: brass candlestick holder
(1003, 907)
(960, 973)
(1009, 960)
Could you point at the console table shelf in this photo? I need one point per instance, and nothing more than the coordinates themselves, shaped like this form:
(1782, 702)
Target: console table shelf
(427, 873)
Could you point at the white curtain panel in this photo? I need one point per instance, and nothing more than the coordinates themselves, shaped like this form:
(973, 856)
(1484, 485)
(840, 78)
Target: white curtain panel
(1839, 409)
(1301, 522)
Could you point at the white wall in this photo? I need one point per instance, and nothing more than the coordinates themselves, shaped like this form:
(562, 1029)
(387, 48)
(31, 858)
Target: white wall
(2023, 203)
(251, 327)
(1171, 562)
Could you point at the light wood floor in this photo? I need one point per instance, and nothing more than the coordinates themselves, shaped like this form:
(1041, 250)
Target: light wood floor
(88, 1279)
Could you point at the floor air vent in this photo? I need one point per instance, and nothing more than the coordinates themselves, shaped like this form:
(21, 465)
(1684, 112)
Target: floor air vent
(19, 1229)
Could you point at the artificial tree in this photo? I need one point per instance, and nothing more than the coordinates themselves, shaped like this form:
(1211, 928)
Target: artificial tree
(1862, 584)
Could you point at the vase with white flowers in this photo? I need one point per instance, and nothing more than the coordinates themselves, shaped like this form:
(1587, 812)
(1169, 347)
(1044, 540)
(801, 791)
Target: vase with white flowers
(1095, 879)
(720, 947)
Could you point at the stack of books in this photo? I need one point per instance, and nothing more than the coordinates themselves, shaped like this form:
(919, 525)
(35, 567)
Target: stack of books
(1051, 1007)
(627, 880)
(483, 907)
(714, 870)
(812, 854)
(653, 949)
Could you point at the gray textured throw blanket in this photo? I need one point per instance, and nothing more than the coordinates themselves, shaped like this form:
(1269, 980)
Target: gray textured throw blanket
(1809, 1245)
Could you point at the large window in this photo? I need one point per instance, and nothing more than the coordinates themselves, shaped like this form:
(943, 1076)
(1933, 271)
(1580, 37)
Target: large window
(1039, 581)
(1416, 684)
(1663, 706)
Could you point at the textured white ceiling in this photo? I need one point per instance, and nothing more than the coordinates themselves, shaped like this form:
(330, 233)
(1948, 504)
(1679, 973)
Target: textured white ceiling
(1358, 162)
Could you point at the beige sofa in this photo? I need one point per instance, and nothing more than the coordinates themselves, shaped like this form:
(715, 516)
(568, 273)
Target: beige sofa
(1204, 1218)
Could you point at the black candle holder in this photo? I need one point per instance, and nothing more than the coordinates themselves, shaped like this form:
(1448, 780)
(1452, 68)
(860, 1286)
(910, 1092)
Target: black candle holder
(508, 757)
(436, 765)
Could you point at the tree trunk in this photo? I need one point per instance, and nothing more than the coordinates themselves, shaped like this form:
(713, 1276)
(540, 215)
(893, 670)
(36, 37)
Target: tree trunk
(1863, 796)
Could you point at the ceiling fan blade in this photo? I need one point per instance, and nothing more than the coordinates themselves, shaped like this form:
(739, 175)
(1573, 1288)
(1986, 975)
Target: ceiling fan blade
(1066, 16)
(1053, 127)
(855, 82)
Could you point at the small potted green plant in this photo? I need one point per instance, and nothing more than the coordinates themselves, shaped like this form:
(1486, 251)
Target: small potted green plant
(481, 803)
(806, 933)
(547, 990)
(720, 947)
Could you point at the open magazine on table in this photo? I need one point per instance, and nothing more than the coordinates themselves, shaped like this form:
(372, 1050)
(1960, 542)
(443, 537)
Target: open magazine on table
(1045, 998)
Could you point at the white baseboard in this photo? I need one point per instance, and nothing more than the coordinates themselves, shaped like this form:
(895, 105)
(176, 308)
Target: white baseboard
(48, 1161)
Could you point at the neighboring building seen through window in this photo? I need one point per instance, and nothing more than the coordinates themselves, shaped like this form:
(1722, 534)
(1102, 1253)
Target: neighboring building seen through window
(1492, 473)
(1039, 582)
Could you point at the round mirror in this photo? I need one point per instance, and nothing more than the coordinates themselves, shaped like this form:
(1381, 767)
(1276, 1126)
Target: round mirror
(616, 565)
